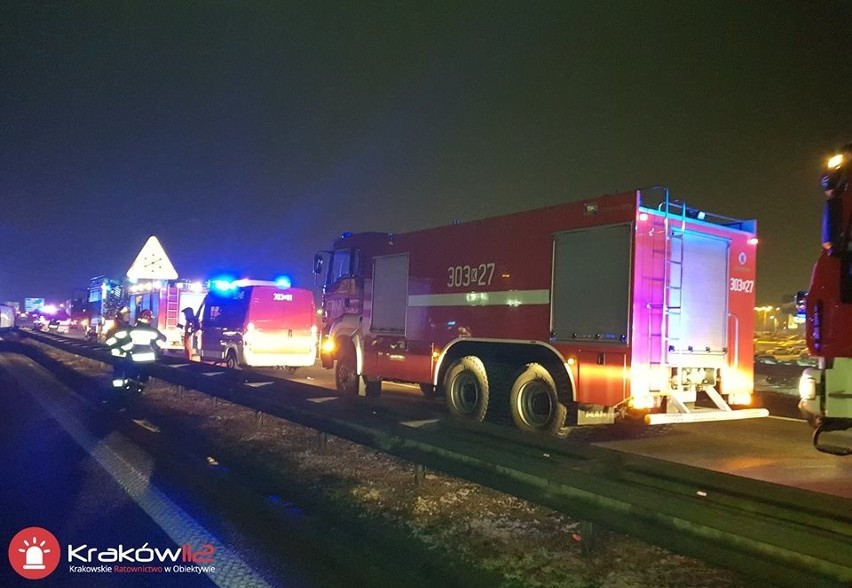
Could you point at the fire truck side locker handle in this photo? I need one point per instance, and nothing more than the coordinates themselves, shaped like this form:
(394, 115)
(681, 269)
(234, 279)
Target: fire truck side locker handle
(736, 339)
(601, 358)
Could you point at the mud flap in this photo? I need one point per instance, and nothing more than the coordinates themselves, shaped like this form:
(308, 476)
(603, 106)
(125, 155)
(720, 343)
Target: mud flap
(832, 425)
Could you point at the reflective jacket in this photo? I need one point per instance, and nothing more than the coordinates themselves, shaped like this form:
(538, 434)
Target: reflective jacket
(140, 343)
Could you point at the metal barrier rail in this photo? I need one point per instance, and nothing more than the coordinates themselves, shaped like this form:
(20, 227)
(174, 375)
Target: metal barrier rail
(782, 536)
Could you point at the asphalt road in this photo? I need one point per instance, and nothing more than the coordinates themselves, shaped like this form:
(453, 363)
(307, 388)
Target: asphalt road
(91, 487)
(773, 449)
(776, 449)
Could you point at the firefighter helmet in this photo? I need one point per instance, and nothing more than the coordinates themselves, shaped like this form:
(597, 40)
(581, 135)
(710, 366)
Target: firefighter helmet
(146, 315)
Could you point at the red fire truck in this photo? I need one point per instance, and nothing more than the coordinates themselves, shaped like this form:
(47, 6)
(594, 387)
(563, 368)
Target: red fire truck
(166, 299)
(582, 313)
(826, 391)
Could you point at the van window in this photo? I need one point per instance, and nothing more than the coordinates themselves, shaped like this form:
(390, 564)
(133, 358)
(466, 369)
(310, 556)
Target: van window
(225, 313)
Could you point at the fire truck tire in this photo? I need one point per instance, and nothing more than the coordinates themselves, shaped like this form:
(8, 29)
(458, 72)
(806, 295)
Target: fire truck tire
(466, 387)
(231, 360)
(534, 401)
(345, 371)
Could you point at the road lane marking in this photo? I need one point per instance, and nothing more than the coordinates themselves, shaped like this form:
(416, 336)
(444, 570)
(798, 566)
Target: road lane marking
(420, 423)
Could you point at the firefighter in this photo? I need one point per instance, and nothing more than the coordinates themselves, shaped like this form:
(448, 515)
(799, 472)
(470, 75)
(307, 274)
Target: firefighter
(121, 321)
(190, 327)
(132, 346)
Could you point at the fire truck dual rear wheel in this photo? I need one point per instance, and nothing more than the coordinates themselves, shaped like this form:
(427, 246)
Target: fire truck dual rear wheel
(466, 385)
(535, 402)
(231, 360)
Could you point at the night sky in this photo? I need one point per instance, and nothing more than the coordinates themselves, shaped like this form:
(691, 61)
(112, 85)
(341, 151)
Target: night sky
(248, 135)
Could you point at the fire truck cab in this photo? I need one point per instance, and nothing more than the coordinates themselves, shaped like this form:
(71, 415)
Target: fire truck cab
(258, 323)
(582, 313)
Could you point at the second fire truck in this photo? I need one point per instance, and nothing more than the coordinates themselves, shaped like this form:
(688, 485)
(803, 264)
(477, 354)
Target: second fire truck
(826, 390)
(627, 306)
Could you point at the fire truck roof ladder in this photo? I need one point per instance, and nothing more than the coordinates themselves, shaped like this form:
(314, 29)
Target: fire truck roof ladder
(675, 228)
(668, 259)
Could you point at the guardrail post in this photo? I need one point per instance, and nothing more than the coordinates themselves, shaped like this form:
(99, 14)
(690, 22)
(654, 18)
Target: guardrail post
(259, 414)
(322, 441)
(587, 537)
(419, 474)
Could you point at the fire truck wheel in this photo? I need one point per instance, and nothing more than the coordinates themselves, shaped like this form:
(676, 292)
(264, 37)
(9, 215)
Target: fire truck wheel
(231, 360)
(466, 385)
(535, 402)
(345, 372)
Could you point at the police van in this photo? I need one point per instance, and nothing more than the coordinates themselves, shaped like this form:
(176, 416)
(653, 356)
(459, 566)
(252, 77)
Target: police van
(257, 323)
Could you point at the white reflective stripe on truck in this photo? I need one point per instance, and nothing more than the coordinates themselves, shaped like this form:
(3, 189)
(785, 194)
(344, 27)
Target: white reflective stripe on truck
(500, 298)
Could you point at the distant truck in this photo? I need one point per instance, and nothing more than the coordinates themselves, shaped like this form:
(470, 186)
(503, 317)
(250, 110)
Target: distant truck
(583, 313)
(7, 316)
(105, 297)
(258, 323)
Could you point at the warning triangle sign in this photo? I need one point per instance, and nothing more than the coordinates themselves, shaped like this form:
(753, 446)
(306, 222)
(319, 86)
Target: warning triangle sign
(152, 263)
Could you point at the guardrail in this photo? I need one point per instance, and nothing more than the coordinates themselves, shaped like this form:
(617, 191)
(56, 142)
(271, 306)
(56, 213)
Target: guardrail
(782, 536)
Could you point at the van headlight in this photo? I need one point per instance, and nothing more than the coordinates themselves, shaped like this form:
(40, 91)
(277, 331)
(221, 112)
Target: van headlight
(808, 383)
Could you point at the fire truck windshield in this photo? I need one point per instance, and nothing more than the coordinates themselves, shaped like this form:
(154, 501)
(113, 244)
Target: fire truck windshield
(340, 266)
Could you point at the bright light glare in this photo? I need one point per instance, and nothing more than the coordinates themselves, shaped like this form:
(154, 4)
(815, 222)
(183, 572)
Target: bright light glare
(283, 282)
(753, 241)
(642, 401)
(740, 399)
(835, 161)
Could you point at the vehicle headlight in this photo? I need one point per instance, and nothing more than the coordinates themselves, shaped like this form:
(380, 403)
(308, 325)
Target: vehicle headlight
(808, 384)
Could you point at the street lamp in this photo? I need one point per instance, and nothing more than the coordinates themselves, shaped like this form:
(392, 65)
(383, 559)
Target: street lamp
(765, 310)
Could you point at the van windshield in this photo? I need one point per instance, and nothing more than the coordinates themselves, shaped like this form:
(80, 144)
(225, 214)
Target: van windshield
(225, 312)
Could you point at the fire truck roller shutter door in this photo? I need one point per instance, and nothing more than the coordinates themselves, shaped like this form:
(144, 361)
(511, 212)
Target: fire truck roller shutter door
(534, 401)
(466, 386)
(591, 284)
